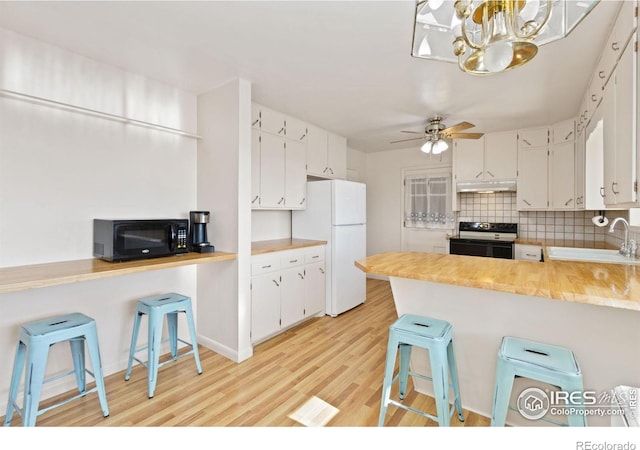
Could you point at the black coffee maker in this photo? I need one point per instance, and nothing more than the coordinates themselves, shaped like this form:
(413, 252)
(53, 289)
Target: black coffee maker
(198, 241)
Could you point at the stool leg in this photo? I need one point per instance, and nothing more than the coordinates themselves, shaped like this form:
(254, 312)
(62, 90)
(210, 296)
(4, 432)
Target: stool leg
(172, 327)
(390, 365)
(96, 365)
(194, 338)
(36, 357)
(405, 359)
(18, 370)
(153, 349)
(576, 420)
(502, 394)
(134, 342)
(453, 370)
(440, 376)
(77, 354)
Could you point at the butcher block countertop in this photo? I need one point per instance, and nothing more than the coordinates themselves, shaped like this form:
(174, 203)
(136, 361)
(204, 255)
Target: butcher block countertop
(277, 245)
(20, 278)
(614, 285)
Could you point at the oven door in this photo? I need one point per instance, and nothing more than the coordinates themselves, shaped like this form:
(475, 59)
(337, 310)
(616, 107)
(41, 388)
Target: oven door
(475, 247)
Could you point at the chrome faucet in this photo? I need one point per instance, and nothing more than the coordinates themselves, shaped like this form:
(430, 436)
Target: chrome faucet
(628, 247)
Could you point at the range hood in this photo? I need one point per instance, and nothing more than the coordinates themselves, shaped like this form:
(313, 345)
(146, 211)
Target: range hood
(486, 186)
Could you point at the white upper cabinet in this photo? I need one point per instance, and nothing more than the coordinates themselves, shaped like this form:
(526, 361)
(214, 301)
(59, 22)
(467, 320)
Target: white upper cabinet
(532, 192)
(296, 130)
(533, 137)
(272, 121)
(295, 195)
(561, 176)
(469, 159)
(501, 156)
(272, 171)
(563, 132)
(326, 154)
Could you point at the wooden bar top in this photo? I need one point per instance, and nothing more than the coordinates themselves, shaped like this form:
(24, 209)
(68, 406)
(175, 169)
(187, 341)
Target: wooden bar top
(20, 278)
(614, 285)
(277, 245)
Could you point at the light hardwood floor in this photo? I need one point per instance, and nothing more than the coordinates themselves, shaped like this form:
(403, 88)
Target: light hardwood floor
(339, 360)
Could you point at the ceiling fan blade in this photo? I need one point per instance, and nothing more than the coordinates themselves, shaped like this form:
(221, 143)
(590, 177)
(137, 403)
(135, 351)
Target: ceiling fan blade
(458, 127)
(413, 132)
(464, 135)
(405, 140)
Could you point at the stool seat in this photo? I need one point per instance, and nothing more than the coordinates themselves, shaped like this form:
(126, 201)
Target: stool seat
(433, 335)
(34, 340)
(538, 361)
(156, 308)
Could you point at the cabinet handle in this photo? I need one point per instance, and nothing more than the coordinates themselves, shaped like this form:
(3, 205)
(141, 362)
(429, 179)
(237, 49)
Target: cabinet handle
(615, 183)
(480, 173)
(601, 74)
(567, 202)
(281, 200)
(293, 260)
(492, 175)
(526, 202)
(526, 142)
(300, 275)
(325, 170)
(281, 130)
(266, 267)
(254, 200)
(315, 256)
(255, 122)
(303, 199)
(594, 98)
(331, 170)
(277, 284)
(531, 254)
(615, 46)
(568, 135)
(303, 136)
(602, 192)
(321, 269)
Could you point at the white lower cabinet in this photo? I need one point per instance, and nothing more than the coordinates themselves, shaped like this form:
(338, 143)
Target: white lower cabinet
(528, 252)
(287, 287)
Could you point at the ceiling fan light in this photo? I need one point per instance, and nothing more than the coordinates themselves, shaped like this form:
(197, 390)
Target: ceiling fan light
(426, 147)
(439, 146)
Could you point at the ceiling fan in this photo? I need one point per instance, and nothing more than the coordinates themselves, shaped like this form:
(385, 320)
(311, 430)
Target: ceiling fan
(435, 132)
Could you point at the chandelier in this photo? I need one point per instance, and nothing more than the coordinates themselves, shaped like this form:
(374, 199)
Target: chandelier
(492, 36)
(435, 145)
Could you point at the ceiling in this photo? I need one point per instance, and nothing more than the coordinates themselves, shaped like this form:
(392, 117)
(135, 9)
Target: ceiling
(342, 65)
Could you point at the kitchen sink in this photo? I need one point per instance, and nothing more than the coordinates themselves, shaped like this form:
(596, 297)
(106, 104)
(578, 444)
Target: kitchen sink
(589, 254)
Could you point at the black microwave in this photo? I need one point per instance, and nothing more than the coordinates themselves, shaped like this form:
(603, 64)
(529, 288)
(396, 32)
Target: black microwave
(126, 240)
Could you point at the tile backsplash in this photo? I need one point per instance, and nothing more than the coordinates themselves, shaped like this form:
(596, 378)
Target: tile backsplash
(557, 225)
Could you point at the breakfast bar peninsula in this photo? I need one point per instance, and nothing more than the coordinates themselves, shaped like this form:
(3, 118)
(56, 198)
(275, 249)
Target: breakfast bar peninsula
(591, 308)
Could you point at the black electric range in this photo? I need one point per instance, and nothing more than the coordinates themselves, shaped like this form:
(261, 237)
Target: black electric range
(492, 240)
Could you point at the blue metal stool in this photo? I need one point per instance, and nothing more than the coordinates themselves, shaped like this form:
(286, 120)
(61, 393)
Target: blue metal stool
(32, 351)
(156, 308)
(549, 364)
(436, 336)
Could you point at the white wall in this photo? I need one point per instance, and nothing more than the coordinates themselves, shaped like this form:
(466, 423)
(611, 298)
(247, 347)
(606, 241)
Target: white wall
(384, 194)
(267, 225)
(356, 165)
(224, 188)
(60, 169)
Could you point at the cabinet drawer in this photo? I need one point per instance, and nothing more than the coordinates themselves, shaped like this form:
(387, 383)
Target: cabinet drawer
(528, 252)
(314, 254)
(265, 263)
(291, 258)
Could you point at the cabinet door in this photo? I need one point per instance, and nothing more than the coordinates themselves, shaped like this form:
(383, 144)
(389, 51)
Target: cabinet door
(532, 178)
(594, 161)
(265, 305)
(295, 195)
(314, 301)
(501, 156)
(579, 170)
(271, 171)
(608, 106)
(296, 129)
(317, 151)
(292, 296)
(255, 167)
(563, 132)
(625, 133)
(336, 156)
(272, 121)
(469, 157)
(533, 137)
(561, 180)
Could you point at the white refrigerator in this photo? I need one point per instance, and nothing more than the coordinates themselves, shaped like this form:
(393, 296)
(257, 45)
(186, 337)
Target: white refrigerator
(336, 213)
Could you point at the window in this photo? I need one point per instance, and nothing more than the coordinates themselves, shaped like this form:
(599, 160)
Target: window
(428, 201)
